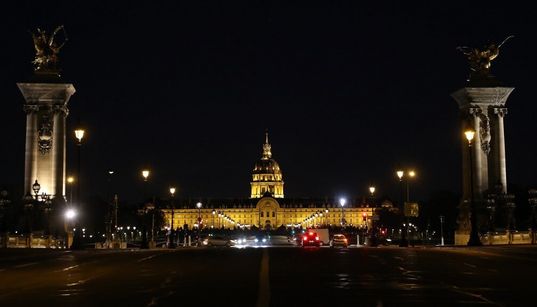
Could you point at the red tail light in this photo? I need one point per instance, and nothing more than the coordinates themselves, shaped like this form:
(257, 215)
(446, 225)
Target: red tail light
(316, 238)
(345, 240)
(305, 238)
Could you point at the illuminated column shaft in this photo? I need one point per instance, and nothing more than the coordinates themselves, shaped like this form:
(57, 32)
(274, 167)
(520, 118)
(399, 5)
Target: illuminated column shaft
(30, 161)
(501, 166)
(59, 142)
(479, 158)
(45, 162)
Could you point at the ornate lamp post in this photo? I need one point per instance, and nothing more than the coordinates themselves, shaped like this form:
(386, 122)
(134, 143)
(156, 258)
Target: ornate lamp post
(45, 201)
(199, 205)
(474, 235)
(532, 200)
(404, 241)
(172, 230)
(4, 203)
(143, 213)
(342, 202)
(214, 213)
(77, 238)
(70, 181)
(69, 215)
(372, 190)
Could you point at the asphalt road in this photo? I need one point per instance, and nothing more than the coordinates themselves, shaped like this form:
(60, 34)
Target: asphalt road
(386, 276)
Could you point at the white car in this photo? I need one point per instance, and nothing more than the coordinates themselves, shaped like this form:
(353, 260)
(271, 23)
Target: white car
(216, 241)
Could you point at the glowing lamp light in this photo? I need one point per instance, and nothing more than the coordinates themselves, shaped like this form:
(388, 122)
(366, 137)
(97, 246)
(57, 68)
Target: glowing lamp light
(145, 174)
(70, 214)
(372, 189)
(412, 174)
(70, 179)
(342, 202)
(79, 134)
(198, 205)
(172, 191)
(400, 174)
(469, 135)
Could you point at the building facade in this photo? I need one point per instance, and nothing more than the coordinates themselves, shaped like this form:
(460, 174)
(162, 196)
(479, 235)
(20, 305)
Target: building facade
(267, 208)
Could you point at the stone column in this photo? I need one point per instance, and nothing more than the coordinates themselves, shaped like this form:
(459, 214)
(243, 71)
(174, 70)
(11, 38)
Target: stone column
(501, 167)
(30, 170)
(45, 103)
(59, 141)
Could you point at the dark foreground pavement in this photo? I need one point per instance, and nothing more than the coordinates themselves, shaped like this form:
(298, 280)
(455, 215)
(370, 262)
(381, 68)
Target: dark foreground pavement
(389, 276)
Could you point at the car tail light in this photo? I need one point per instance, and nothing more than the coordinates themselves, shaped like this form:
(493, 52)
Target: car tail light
(345, 240)
(316, 238)
(305, 238)
(311, 233)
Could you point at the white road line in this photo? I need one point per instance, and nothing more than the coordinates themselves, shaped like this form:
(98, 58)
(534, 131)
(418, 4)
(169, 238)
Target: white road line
(263, 295)
(147, 258)
(69, 268)
(478, 296)
(24, 265)
(473, 266)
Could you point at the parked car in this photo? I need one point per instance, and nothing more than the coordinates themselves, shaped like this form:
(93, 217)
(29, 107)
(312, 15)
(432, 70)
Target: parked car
(310, 238)
(339, 240)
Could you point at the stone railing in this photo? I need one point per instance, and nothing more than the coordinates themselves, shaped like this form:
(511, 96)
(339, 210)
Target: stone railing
(508, 237)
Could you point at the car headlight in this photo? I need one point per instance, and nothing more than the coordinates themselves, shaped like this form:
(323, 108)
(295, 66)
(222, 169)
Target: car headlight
(205, 242)
(264, 240)
(256, 240)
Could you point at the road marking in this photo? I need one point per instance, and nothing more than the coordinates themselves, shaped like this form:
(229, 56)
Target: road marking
(473, 266)
(24, 265)
(263, 296)
(69, 268)
(478, 296)
(147, 258)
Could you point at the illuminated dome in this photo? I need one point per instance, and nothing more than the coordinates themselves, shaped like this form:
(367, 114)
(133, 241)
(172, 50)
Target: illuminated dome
(267, 175)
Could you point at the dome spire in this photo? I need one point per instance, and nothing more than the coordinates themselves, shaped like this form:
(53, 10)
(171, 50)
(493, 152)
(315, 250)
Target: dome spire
(266, 147)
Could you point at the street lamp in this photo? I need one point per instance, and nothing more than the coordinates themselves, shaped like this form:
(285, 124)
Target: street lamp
(474, 235)
(69, 215)
(532, 200)
(143, 213)
(214, 213)
(342, 202)
(77, 244)
(172, 230)
(145, 174)
(199, 205)
(411, 174)
(404, 241)
(70, 181)
(45, 202)
(442, 230)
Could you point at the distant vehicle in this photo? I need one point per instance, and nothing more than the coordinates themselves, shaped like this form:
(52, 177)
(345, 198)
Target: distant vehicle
(323, 234)
(257, 240)
(339, 240)
(281, 240)
(310, 238)
(216, 241)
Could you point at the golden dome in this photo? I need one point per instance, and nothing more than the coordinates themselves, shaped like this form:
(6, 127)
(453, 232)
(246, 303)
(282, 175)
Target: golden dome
(267, 175)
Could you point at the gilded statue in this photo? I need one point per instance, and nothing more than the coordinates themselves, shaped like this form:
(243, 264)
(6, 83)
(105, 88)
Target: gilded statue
(47, 48)
(480, 59)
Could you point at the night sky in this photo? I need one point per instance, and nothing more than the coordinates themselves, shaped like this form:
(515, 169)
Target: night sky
(348, 92)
